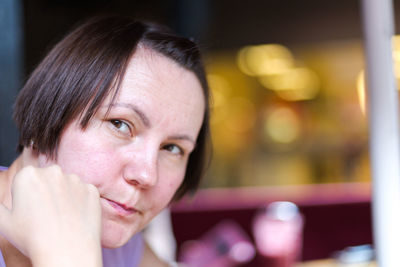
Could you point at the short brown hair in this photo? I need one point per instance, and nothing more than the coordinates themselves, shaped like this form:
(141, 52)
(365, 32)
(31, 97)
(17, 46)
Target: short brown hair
(85, 67)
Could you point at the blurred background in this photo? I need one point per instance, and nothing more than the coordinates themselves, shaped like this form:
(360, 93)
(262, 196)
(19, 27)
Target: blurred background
(288, 107)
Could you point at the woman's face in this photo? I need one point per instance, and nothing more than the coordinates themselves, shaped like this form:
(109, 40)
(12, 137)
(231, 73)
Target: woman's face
(136, 155)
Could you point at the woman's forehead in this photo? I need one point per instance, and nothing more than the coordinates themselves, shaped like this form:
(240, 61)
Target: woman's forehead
(161, 88)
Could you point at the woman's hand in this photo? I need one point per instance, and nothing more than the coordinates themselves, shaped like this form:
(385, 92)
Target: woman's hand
(55, 218)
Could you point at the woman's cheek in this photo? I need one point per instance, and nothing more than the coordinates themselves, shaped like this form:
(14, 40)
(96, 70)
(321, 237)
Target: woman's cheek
(171, 188)
(91, 169)
(163, 192)
(99, 169)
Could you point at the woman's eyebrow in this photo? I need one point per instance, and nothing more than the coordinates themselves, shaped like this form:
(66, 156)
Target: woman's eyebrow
(135, 109)
(182, 137)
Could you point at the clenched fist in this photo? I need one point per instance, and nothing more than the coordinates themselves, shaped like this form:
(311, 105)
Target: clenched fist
(55, 218)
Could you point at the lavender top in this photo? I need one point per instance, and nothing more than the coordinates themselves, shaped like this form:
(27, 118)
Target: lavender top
(2, 263)
(129, 255)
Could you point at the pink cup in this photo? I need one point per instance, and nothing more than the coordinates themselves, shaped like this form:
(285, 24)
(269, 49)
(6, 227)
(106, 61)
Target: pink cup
(277, 231)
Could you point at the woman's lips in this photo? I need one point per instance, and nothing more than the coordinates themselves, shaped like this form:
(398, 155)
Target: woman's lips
(121, 209)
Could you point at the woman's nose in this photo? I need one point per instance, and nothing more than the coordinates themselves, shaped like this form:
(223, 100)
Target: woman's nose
(141, 169)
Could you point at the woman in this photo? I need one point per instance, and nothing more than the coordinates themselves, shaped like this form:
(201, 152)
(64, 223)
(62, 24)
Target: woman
(113, 126)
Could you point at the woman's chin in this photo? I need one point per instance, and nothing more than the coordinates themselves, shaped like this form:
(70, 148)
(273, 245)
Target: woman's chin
(112, 242)
(115, 235)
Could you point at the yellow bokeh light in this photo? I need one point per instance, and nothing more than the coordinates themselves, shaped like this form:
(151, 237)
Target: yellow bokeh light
(294, 84)
(396, 42)
(361, 90)
(274, 67)
(264, 59)
(396, 55)
(282, 125)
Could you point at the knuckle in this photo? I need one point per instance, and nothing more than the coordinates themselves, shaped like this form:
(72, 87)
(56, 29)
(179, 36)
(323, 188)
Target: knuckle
(28, 168)
(54, 168)
(51, 174)
(27, 173)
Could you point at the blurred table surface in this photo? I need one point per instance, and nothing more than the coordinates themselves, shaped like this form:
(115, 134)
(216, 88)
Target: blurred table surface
(332, 263)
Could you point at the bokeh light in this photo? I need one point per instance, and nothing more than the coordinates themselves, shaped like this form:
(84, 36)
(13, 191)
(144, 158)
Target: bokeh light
(361, 90)
(264, 59)
(274, 67)
(293, 84)
(282, 125)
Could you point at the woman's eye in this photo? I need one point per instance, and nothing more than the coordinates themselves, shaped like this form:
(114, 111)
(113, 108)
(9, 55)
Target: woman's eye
(174, 149)
(121, 126)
